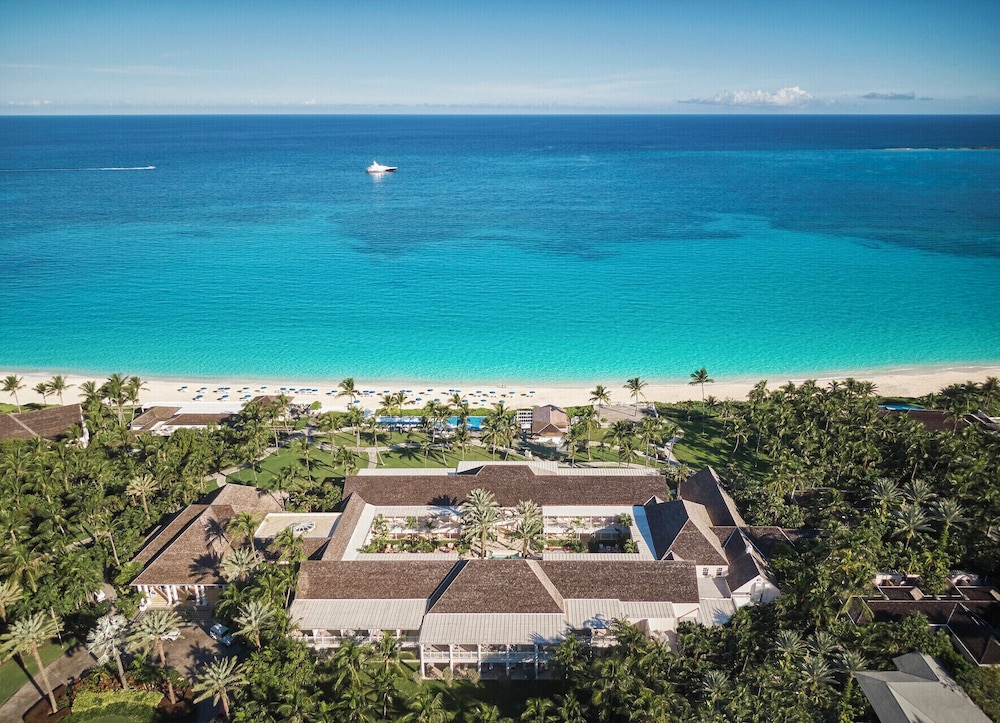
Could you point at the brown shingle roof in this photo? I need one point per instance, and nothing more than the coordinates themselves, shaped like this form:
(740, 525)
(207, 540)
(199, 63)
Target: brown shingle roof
(193, 556)
(495, 586)
(682, 531)
(371, 580)
(510, 485)
(245, 498)
(935, 420)
(745, 562)
(640, 581)
(549, 420)
(188, 550)
(49, 423)
(706, 489)
(353, 506)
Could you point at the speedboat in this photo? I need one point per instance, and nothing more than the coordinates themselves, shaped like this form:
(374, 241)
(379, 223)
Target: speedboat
(377, 167)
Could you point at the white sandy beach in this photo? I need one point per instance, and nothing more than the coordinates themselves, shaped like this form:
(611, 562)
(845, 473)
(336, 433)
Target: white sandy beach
(913, 382)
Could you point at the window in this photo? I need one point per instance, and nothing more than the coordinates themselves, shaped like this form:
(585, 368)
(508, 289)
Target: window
(718, 572)
(704, 572)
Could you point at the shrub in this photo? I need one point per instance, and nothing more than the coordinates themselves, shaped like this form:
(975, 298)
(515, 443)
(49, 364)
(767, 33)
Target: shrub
(133, 705)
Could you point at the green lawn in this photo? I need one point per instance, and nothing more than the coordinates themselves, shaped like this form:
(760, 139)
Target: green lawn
(12, 676)
(321, 467)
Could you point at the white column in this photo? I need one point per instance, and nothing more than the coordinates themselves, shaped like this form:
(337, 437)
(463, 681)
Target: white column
(479, 657)
(536, 661)
(421, 646)
(451, 656)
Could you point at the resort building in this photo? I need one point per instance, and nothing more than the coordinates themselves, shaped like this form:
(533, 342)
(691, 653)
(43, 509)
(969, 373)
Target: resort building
(51, 423)
(615, 549)
(181, 564)
(918, 691)
(549, 422)
(614, 546)
(963, 611)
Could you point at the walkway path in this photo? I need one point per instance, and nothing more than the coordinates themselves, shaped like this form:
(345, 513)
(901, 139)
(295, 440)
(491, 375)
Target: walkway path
(61, 670)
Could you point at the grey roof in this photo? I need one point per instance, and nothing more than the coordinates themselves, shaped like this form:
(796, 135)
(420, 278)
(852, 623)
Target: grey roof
(920, 692)
(390, 614)
(492, 629)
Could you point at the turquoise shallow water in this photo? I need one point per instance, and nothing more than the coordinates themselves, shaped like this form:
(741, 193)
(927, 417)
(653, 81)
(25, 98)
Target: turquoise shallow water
(532, 248)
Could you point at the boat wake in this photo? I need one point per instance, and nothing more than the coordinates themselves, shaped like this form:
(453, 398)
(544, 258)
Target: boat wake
(70, 170)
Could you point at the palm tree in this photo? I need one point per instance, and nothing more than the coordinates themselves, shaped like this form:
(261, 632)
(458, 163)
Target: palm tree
(106, 641)
(948, 512)
(538, 710)
(133, 386)
(918, 491)
(10, 594)
(789, 645)
(591, 423)
(480, 514)
(256, 617)
(114, 390)
(24, 636)
(623, 436)
(816, 673)
(348, 459)
(348, 389)
(910, 520)
(217, 679)
(701, 377)
(885, 494)
(58, 385)
(572, 439)
(714, 685)
(427, 707)
(600, 396)
(288, 543)
(143, 486)
(239, 563)
(373, 428)
(355, 418)
(650, 431)
(242, 526)
(41, 389)
(150, 631)
(529, 529)
(12, 384)
(462, 437)
(635, 386)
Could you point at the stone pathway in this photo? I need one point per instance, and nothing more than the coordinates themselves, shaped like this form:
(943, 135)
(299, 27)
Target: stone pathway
(60, 671)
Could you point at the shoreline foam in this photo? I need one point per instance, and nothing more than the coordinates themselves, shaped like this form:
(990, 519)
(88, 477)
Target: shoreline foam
(899, 382)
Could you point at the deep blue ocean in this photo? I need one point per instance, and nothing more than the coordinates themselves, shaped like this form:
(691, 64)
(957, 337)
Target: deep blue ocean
(505, 248)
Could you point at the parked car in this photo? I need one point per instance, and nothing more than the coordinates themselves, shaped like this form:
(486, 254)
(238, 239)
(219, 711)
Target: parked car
(220, 632)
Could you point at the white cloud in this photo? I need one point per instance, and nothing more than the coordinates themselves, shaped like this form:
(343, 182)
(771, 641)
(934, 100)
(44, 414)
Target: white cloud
(785, 97)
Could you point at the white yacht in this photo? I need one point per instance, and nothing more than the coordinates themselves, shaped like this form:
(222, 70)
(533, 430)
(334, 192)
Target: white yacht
(377, 167)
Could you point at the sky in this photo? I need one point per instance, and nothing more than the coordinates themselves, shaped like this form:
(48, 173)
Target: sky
(413, 56)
